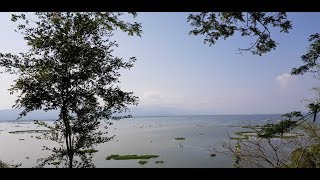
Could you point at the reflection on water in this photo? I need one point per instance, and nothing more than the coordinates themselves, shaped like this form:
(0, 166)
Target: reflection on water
(144, 135)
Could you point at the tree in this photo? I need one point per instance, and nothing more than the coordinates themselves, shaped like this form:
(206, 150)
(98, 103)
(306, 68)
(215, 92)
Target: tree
(216, 25)
(311, 57)
(299, 149)
(269, 147)
(307, 155)
(70, 68)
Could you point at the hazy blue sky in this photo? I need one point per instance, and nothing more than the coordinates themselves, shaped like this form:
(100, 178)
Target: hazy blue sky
(176, 70)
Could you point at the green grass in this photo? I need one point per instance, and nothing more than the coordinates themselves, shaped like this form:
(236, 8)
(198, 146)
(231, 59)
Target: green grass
(179, 138)
(142, 162)
(89, 151)
(128, 157)
(158, 162)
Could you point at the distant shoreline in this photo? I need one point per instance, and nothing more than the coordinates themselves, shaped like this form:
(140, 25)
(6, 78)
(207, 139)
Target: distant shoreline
(148, 116)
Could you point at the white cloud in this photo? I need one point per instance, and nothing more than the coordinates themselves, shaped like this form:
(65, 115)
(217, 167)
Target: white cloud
(155, 97)
(284, 80)
(152, 96)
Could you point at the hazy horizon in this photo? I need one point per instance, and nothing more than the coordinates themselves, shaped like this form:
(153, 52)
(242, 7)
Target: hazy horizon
(7, 115)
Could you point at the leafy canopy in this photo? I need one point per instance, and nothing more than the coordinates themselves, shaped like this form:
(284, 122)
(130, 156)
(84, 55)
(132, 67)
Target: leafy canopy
(217, 25)
(70, 67)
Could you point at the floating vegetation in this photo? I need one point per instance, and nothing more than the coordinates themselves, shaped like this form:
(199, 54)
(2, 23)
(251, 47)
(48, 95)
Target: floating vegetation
(55, 163)
(286, 137)
(179, 138)
(142, 162)
(29, 131)
(212, 155)
(90, 151)
(245, 133)
(238, 138)
(256, 127)
(289, 135)
(159, 162)
(128, 157)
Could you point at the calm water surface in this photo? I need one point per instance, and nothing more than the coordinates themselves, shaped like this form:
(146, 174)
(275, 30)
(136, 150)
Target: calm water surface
(143, 135)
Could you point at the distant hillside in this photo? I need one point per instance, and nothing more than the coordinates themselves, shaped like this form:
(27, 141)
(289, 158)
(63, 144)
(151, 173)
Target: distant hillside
(136, 111)
(13, 114)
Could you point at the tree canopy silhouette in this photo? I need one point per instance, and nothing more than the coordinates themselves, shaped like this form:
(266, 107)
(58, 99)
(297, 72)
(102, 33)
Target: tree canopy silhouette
(216, 25)
(70, 67)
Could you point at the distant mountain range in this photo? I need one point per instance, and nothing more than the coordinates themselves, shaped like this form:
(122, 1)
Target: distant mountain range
(13, 114)
(136, 111)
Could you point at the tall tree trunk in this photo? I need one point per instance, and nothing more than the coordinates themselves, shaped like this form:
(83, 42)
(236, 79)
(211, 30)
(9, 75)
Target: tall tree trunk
(67, 133)
(70, 158)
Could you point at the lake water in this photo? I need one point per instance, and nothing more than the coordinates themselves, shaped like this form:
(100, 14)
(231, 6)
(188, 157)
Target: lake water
(142, 135)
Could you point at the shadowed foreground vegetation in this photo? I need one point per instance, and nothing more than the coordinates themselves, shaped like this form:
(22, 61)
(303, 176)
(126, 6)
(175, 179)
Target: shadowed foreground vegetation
(8, 165)
(3, 164)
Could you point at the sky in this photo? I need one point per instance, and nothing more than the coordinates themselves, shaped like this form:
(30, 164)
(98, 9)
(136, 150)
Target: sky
(177, 71)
